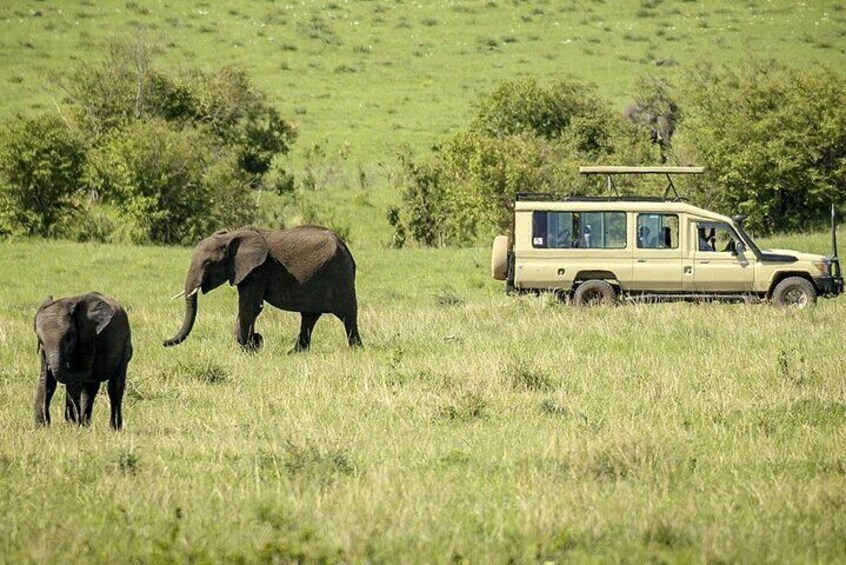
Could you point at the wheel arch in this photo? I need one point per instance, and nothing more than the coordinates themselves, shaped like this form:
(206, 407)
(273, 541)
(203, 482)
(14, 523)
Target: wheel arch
(598, 274)
(781, 275)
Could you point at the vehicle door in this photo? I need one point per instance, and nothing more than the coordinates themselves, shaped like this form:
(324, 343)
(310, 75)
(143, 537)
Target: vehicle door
(721, 264)
(657, 265)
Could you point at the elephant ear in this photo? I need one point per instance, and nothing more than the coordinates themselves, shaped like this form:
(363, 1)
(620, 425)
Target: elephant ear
(93, 313)
(248, 250)
(303, 250)
(47, 302)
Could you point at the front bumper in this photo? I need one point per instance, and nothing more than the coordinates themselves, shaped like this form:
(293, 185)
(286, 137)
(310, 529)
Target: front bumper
(829, 286)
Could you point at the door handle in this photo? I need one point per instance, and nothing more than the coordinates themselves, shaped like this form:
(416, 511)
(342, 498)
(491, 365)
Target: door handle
(704, 261)
(641, 260)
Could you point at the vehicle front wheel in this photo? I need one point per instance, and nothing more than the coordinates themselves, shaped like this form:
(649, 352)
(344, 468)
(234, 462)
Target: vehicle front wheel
(794, 292)
(594, 293)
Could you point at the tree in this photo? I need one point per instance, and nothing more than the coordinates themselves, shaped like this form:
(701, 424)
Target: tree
(146, 154)
(655, 112)
(174, 185)
(41, 162)
(127, 87)
(773, 140)
(525, 137)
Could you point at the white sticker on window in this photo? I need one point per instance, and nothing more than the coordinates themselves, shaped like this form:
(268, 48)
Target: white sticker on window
(537, 241)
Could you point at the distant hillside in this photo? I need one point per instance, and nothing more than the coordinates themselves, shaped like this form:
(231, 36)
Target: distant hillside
(364, 78)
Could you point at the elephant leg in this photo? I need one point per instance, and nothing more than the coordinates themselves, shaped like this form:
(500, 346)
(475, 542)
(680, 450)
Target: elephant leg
(306, 327)
(249, 307)
(116, 386)
(73, 392)
(89, 393)
(350, 320)
(43, 396)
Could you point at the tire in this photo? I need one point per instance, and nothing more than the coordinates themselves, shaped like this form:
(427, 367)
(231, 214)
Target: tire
(794, 292)
(594, 293)
(499, 258)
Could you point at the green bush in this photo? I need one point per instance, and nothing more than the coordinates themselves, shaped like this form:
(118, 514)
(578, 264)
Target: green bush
(126, 87)
(41, 160)
(524, 138)
(167, 157)
(525, 106)
(773, 140)
(175, 185)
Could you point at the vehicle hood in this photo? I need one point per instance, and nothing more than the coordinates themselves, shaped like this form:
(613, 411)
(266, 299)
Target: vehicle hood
(784, 254)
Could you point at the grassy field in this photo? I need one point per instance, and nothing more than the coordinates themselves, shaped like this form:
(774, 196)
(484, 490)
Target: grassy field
(472, 427)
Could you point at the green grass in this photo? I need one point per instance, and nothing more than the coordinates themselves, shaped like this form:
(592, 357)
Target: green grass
(472, 426)
(379, 75)
(364, 80)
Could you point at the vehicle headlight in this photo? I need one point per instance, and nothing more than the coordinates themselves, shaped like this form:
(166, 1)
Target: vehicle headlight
(822, 266)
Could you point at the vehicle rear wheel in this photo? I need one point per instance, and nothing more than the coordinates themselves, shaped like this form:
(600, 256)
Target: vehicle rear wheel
(594, 293)
(794, 292)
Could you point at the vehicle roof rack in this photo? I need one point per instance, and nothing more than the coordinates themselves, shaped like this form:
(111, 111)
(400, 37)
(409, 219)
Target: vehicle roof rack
(618, 170)
(609, 171)
(542, 196)
(553, 197)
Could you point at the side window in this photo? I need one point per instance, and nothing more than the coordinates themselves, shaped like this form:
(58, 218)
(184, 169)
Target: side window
(714, 236)
(563, 230)
(554, 230)
(603, 230)
(657, 231)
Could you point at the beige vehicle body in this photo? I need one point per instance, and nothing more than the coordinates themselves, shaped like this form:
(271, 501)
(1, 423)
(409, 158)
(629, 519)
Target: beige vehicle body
(647, 247)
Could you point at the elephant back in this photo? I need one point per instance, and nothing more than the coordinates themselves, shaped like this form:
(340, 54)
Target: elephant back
(303, 250)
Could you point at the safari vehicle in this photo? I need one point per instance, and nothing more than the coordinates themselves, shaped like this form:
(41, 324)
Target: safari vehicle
(596, 249)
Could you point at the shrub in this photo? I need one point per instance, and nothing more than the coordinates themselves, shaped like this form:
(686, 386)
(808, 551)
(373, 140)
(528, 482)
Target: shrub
(126, 88)
(655, 112)
(524, 138)
(524, 105)
(175, 184)
(41, 159)
(168, 157)
(773, 140)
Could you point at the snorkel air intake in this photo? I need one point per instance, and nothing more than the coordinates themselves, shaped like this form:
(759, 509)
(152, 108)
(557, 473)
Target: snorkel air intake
(836, 272)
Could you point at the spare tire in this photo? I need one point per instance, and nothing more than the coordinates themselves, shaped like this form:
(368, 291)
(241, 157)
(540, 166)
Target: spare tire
(499, 258)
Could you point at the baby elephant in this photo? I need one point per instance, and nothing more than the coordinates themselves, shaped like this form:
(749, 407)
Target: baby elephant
(83, 341)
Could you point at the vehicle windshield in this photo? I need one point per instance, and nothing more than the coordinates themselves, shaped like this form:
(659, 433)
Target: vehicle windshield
(748, 239)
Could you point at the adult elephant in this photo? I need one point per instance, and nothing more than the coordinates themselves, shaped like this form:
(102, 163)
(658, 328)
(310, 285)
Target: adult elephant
(307, 269)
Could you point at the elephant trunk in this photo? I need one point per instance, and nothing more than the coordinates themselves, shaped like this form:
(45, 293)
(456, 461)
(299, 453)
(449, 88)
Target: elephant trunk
(58, 365)
(192, 287)
(187, 323)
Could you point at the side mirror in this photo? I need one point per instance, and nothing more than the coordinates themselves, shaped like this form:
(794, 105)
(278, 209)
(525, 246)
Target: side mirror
(739, 248)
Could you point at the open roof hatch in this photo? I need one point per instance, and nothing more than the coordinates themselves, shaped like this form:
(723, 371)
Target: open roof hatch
(610, 171)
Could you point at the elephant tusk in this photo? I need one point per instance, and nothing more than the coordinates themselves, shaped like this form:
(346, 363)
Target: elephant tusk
(193, 292)
(178, 295)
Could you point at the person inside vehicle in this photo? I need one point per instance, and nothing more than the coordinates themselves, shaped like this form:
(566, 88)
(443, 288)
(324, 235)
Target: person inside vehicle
(563, 239)
(731, 247)
(644, 239)
(668, 237)
(706, 239)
